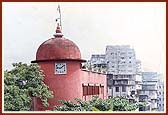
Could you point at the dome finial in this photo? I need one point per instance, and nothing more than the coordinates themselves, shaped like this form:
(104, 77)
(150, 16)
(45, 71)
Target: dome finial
(58, 30)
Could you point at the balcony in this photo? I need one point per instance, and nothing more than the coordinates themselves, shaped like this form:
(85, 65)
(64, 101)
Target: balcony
(123, 77)
(123, 82)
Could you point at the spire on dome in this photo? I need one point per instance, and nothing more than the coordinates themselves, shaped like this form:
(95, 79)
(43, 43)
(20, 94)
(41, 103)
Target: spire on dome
(59, 25)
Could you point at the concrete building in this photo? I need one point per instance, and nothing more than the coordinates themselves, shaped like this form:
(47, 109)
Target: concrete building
(160, 95)
(120, 60)
(60, 60)
(98, 60)
(122, 69)
(148, 93)
(98, 63)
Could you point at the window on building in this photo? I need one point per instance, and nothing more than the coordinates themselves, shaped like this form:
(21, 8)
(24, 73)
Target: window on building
(102, 89)
(96, 90)
(123, 88)
(129, 57)
(90, 90)
(129, 61)
(122, 57)
(85, 90)
(117, 89)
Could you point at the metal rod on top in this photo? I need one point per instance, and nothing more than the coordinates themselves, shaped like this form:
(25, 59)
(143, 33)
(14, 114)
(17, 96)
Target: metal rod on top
(59, 10)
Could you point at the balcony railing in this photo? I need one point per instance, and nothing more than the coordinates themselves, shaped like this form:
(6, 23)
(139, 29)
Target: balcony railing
(124, 83)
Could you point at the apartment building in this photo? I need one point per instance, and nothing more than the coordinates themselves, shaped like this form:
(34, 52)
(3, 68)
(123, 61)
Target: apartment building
(97, 63)
(122, 69)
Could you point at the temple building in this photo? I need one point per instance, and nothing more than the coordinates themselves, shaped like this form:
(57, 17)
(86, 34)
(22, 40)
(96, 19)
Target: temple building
(60, 60)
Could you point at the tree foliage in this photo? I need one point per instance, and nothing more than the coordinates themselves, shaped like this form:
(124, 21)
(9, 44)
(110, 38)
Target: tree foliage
(22, 82)
(98, 104)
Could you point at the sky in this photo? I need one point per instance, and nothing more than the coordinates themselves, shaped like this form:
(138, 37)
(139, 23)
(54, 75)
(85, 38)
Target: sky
(91, 26)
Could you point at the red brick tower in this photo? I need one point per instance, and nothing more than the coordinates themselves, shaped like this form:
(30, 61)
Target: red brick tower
(60, 59)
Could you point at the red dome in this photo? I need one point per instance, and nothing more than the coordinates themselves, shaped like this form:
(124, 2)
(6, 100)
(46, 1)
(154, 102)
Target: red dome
(58, 48)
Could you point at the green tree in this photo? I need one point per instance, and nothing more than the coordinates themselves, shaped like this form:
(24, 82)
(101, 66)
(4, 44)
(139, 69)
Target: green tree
(98, 104)
(21, 83)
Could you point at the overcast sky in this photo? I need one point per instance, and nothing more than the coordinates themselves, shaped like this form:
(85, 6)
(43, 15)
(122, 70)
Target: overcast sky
(91, 26)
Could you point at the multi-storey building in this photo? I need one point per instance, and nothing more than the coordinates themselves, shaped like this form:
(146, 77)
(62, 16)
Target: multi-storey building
(120, 60)
(98, 60)
(122, 69)
(160, 95)
(97, 63)
(148, 93)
